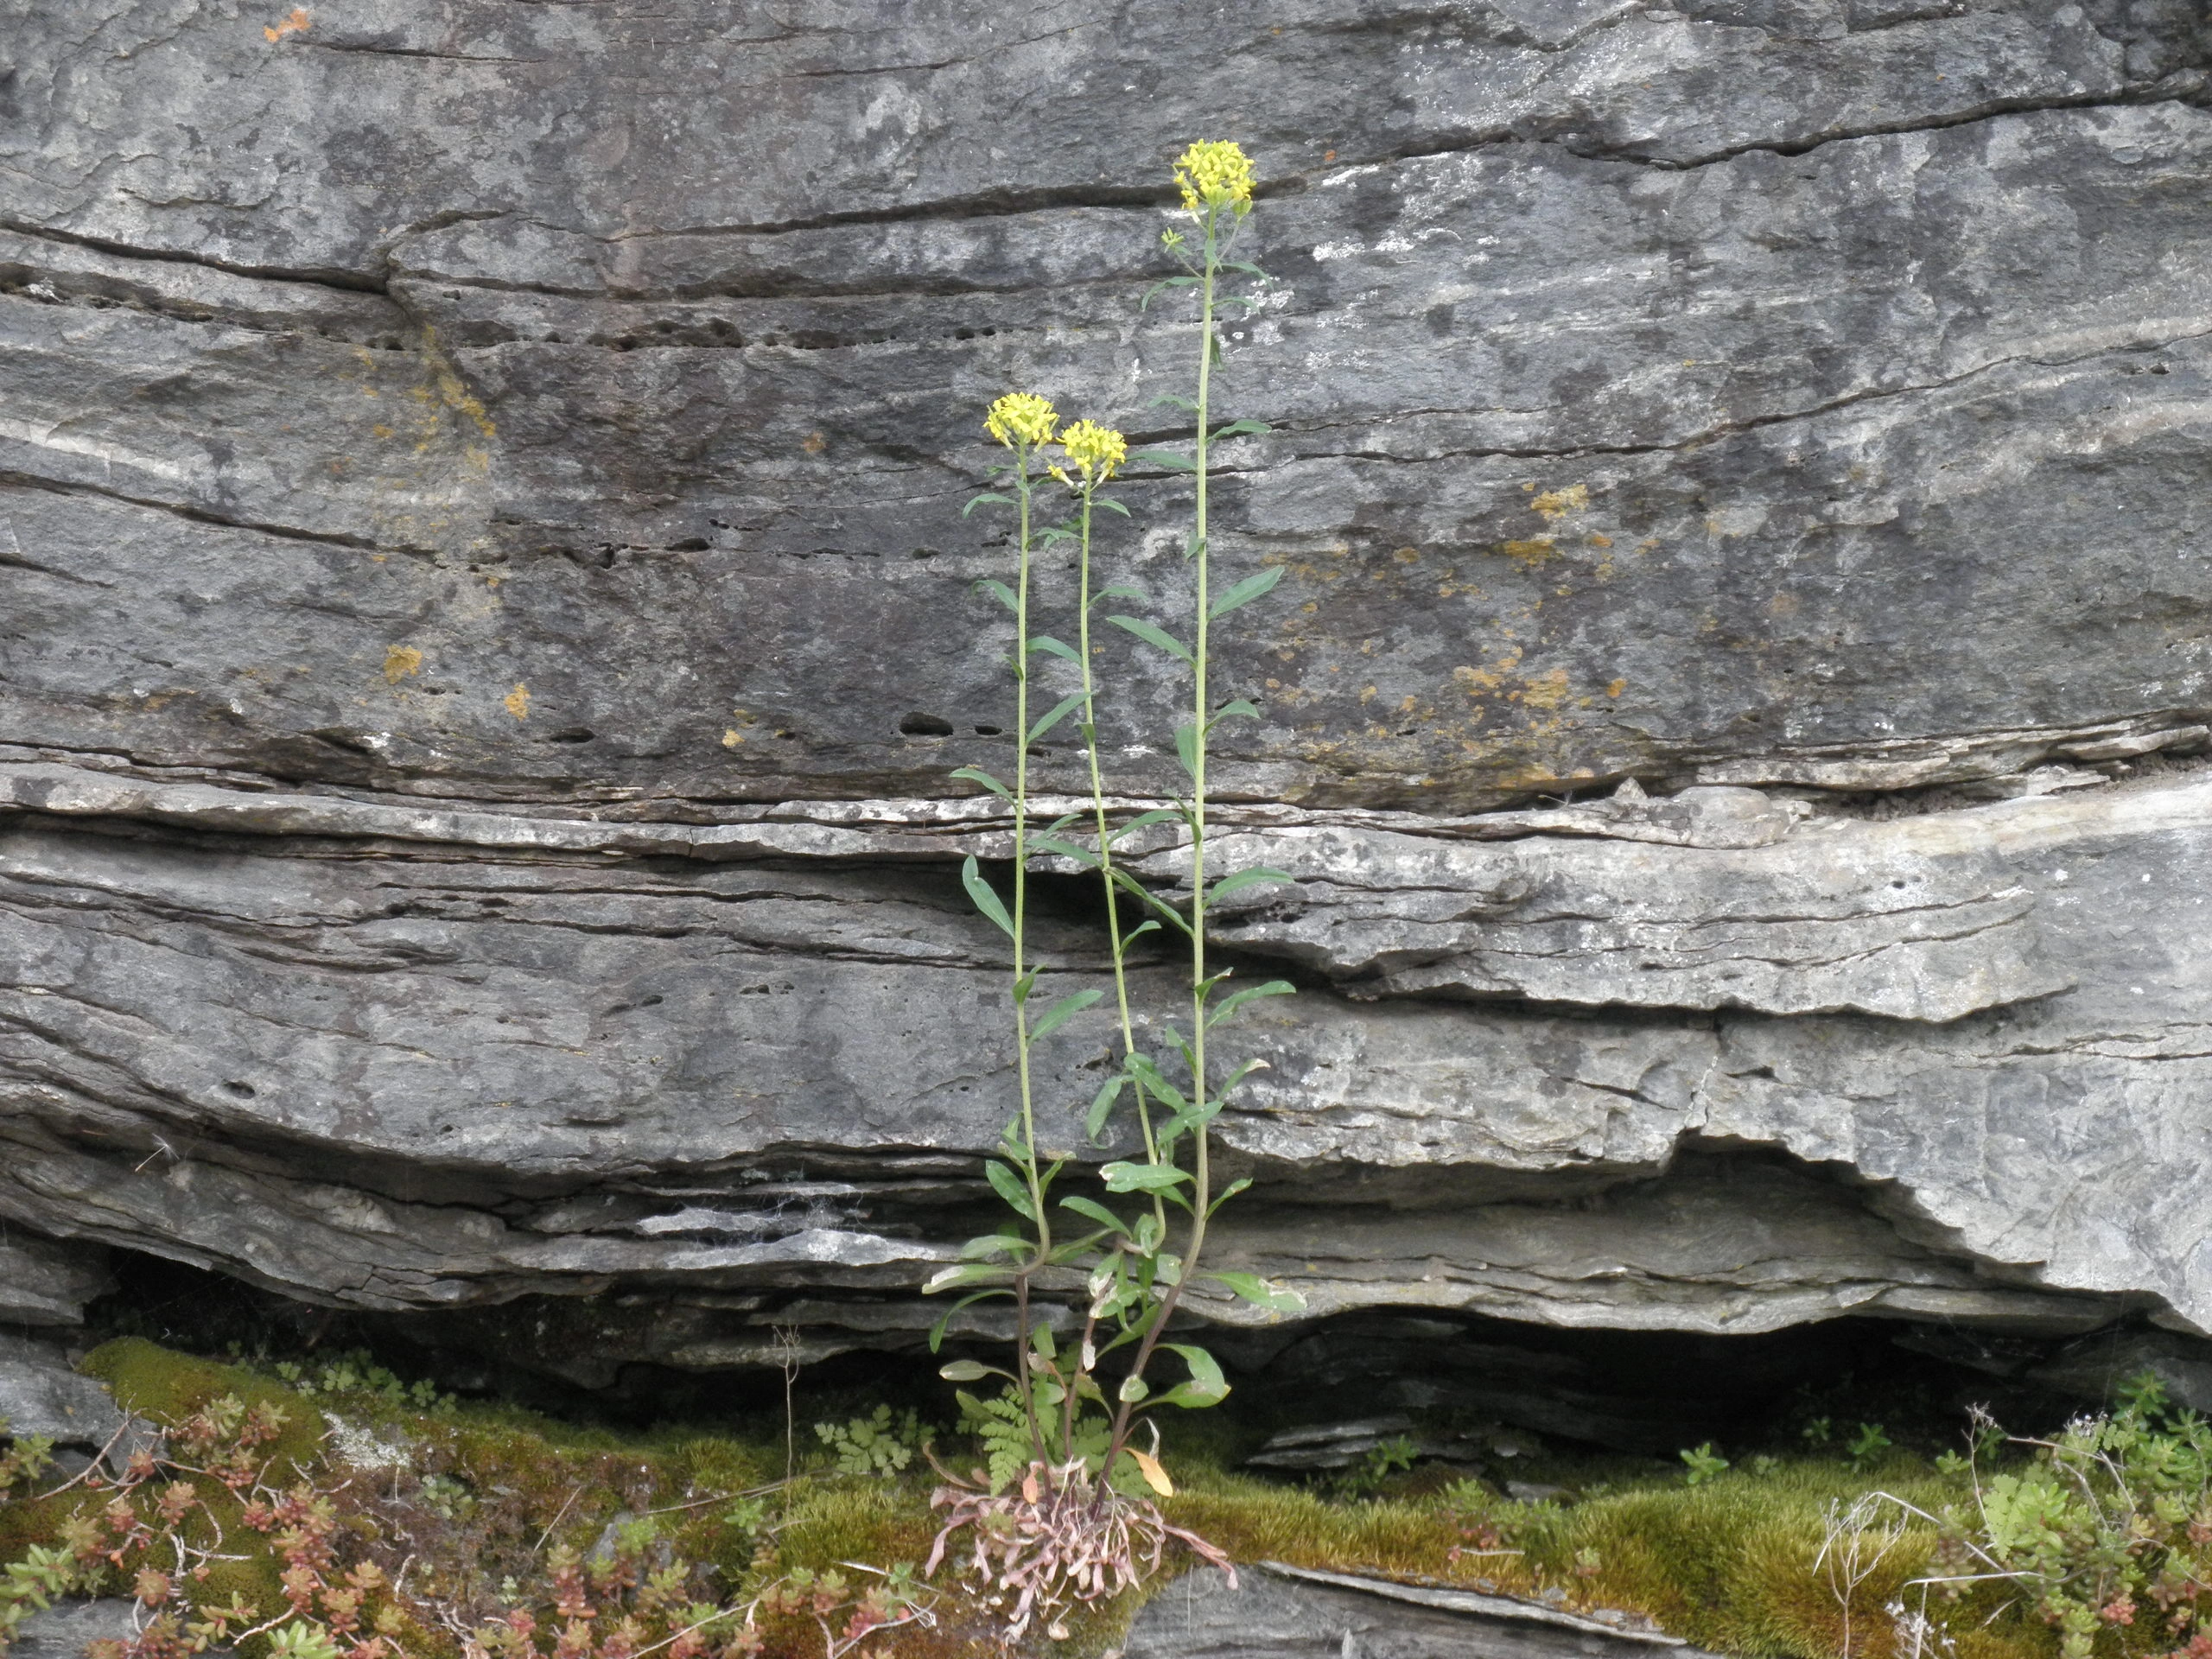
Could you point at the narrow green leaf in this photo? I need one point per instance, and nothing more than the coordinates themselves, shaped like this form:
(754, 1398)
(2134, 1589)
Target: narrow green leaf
(1152, 635)
(1010, 1185)
(1175, 401)
(1102, 1107)
(1149, 1076)
(937, 1331)
(1205, 1371)
(1161, 458)
(1118, 590)
(1168, 913)
(968, 1272)
(1066, 706)
(1040, 1338)
(1066, 849)
(1023, 986)
(985, 900)
(1110, 504)
(1096, 1211)
(1052, 647)
(1133, 1388)
(1246, 591)
(1052, 535)
(1239, 429)
(1188, 747)
(1143, 820)
(976, 501)
(1237, 999)
(1061, 1012)
(1172, 281)
(970, 1370)
(988, 1246)
(1142, 1178)
(1258, 875)
(1247, 267)
(977, 775)
(1242, 708)
(1001, 593)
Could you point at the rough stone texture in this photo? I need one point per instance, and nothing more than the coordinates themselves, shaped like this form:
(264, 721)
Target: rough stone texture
(1282, 1612)
(480, 498)
(41, 1395)
(44, 1281)
(68, 1629)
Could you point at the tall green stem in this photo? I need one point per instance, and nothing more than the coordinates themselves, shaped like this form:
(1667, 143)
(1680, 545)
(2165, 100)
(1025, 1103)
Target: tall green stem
(1105, 844)
(1028, 1147)
(1201, 1169)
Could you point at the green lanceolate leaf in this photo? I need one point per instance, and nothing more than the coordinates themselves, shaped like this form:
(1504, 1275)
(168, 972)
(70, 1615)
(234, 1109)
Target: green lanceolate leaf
(1247, 267)
(1206, 1382)
(1110, 504)
(937, 1331)
(1060, 1013)
(1174, 400)
(1251, 1287)
(1068, 849)
(1161, 458)
(1143, 820)
(1052, 647)
(1259, 875)
(1048, 538)
(1150, 1078)
(1010, 1185)
(1237, 999)
(988, 1246)
(1229, 1193)
(1001, 593)
(977, 775)
(968, 1272)
(1242, 708)
(1246, 591)
(1172, 281)
(1154, 635)
(987, 497)
(1118, 590)
(1133, 1390)
(1097, 1213)
(1023, 986)
(1187, 749)
(1061, 710)
(986, 900)
(970, 1370)
(1168, 912)
(1239, 429)
(1142, 1177)
(1102, 1107)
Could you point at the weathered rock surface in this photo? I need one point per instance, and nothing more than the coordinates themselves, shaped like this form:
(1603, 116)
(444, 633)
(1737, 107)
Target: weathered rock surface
(44, 1281)
(486, 625)
(1281, 1611)
(40, 1395)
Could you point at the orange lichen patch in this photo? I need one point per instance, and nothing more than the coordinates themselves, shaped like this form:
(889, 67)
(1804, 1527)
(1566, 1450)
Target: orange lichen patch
(1408, 555)
(1475, 682)
(732, 738)
(814, 443)
(1783, 605)
(1545, 690)
(518, 701)
(1530, 553)
(1555, 505)
(291, 25)
(400, 662)
(1616, 688)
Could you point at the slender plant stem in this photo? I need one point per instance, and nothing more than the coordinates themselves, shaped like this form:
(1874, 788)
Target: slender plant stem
(1028, 1148)
(1105, 844)
(1201, 1171)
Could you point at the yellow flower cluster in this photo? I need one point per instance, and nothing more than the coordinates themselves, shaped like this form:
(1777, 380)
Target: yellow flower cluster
(1021, 418)
(1216, 175)
(1093, 450)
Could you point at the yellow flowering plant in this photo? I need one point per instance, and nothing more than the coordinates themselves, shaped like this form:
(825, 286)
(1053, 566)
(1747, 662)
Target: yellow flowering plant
(1057, 1430)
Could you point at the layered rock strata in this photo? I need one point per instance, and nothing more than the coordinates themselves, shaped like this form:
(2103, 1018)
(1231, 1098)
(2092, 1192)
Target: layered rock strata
(487, 628)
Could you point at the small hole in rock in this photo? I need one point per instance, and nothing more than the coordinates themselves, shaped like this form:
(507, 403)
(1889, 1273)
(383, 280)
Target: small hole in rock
(243, 1090)
(990, 731)
(921, 725)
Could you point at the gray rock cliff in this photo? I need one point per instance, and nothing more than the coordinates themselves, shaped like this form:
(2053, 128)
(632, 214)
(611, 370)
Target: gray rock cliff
(486, 626)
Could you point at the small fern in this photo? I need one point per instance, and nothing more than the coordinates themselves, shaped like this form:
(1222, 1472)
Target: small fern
(875, 1445)
(1001, 1430)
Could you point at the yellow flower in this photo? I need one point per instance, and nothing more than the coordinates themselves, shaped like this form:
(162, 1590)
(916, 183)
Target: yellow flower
(1095, 451)
(1214, 175)
(1021, 418)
